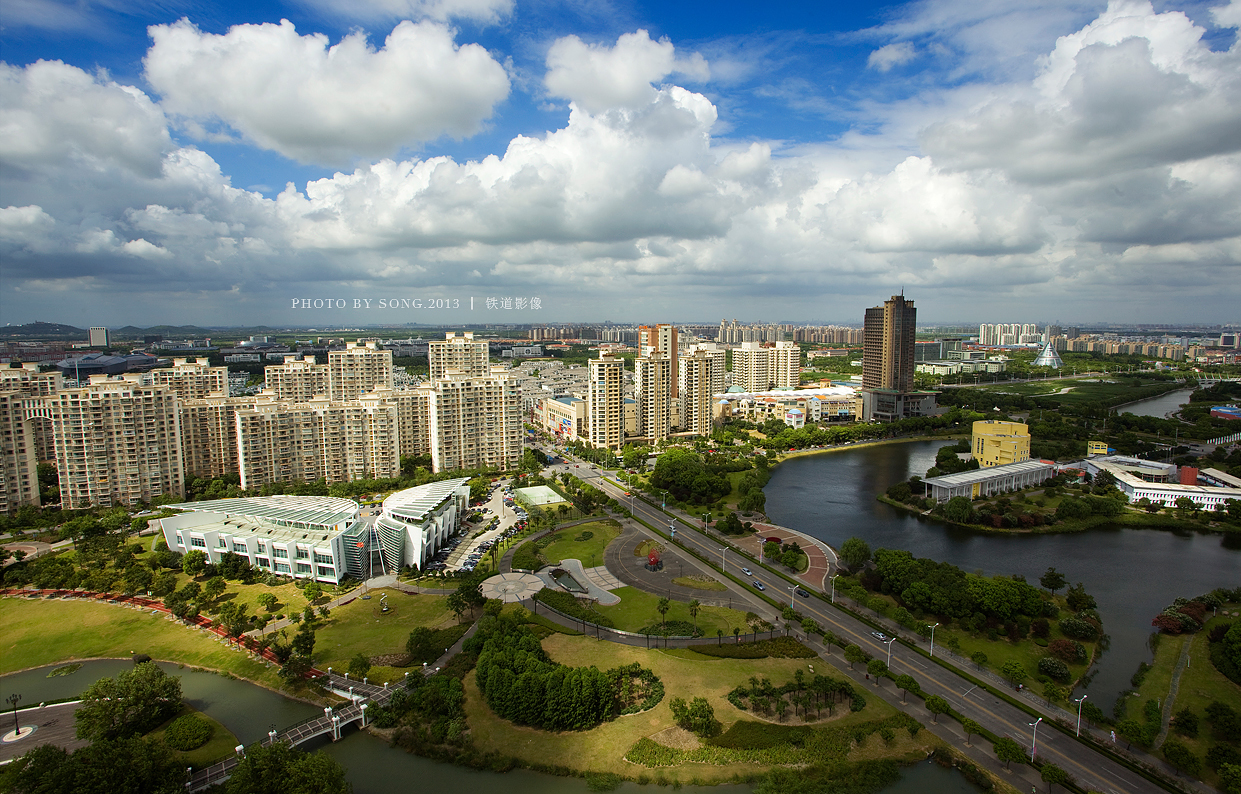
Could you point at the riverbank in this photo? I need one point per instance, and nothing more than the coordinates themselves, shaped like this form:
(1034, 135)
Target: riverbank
(1125, 519)
(864, 444)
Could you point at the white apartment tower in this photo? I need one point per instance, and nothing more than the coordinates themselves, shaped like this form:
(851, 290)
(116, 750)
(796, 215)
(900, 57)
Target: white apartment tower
(605, 402)
(98, 336)
(761, 367)
(116, 441)
(460, 353)
(698, 382)
(19, 480)
(717, 355)
(653, 391)
(475, 421)
(191, 381)
(297, 379)
(358, 369)
(661, 338)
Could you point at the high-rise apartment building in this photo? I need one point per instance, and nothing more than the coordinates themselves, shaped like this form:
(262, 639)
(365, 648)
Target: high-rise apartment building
(698, 388)
(297, 379)
(359, 368)
(718, 355)
(31, 384)
(413, 411)
(761, 366)
(116, 442)
(191, 381)
(653, 391)
(605, 402)
(209, 434)
(475, 421)
(19, 476)
(98, 336)
(459, 353)
(888, 391)
(662, 338)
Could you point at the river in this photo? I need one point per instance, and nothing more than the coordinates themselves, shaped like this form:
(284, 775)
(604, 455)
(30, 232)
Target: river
(1132, 573)
(371, 765)
(1157, 406)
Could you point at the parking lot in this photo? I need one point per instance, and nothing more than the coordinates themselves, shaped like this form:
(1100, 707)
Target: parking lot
(502, 519)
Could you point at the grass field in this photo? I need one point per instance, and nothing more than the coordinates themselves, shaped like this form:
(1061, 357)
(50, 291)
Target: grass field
(38, 633)
(357, 627)
(589, 551)
(602, 749)
(637, 609)
(221, 744)
(1080, 391)
(999, 651)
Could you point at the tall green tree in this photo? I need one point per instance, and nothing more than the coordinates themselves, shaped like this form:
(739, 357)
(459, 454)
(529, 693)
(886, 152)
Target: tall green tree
(281, 769)
(107, 766)
(694, 608)
(937, 705)
(133, 702)
(1053, 580)
(1053, 775)
(662, 608)
(1007, 750)
(194, 562)
(854, 553)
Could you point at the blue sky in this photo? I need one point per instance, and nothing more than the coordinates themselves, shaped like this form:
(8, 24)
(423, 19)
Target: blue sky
(170, 162)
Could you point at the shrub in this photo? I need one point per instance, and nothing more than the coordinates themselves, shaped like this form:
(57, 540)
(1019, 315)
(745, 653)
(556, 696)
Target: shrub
(1067, 651)
(1079, 629)
(1053, 668)
(188, 732)
(779, 647)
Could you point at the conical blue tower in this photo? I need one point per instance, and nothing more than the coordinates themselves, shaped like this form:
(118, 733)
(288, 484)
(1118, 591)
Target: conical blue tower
(1049, 358)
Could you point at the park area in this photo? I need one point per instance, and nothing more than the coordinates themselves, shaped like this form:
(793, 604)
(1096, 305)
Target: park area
(362, 627)
(638, 610)
(584, 542)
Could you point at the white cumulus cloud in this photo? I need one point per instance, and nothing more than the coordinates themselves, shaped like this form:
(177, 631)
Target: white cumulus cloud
(599, 78)
(489, 11)
(888, 56)
(317, 102)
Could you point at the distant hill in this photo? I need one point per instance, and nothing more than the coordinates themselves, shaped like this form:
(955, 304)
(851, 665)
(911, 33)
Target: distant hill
(42, 331)
(166, 331)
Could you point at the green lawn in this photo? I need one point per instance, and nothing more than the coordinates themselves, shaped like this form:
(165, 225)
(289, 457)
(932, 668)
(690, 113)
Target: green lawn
(637, 610)
(357, 627)
(1158, 679)
(566, 545)
(38, 633)
(221, 744)
(999, 651)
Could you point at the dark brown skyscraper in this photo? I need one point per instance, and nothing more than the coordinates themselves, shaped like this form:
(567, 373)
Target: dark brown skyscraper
(888, 356)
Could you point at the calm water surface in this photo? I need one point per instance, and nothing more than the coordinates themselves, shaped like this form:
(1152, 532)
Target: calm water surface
(1158, 406)
(372, 766)
(1132, 573)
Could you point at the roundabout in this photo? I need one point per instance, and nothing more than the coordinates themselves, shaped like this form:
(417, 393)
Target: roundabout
(511, 587)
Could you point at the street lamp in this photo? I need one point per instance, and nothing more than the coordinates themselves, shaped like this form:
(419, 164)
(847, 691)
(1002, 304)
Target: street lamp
(1079, 714)
(834, 587)
(933, 639)
(723, 551)
(792, 592)
(672, 528)
(12, 701)
(1034, 740)
(889, 644)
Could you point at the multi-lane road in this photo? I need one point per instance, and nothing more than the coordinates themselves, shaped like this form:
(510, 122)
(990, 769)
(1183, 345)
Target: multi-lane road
(1092, 770)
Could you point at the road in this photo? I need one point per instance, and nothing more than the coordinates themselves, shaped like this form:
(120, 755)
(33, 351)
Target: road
(1091, 769)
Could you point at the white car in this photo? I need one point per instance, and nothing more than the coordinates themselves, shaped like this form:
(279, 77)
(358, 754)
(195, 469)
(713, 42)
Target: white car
(746, 571)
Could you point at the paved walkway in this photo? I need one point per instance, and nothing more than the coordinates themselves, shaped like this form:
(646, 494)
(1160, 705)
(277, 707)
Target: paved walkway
(821, 556)
(1170, 699)
(52, 724)
(574, 569)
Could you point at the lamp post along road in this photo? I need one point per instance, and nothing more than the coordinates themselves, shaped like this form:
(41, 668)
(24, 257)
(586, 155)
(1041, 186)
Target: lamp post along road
(932, 653)
(1079, 714)
(12, 700)
(1034, 739)
(834, 588)
(793, 592)
(889, 644)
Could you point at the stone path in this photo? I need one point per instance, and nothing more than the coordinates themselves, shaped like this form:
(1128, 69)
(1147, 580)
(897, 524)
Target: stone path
(1170, 700)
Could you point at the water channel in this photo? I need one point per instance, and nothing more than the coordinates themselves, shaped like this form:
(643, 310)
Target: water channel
(1132, 573)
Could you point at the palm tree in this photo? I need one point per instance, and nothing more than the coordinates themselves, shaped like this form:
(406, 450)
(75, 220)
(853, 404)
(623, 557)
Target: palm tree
(662, 608)
(736, 635)
(694, 609)
(719, 633)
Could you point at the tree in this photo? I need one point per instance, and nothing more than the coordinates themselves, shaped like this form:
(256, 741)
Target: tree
(971, 728)
(937, 705)
(359, 665)
(194, 562)
(854, 654)
(1007, 750)
(662, 608)
(694, 608)
(1014, 671)
(1186, 723)
(268, 601)
(736, 635)
(214, 588)
(134, 702)
(313, 591)
(1078, 599)
(1053, 692)
(281, 769)
(719, 636)
(906, 683)
(1230, 778)
(854, 553)
(697, 716)
(130, 764)
(809, 626)
(1053, 775)
(1181, 757)
(876, 668)
(1053, 580)
(979, 658)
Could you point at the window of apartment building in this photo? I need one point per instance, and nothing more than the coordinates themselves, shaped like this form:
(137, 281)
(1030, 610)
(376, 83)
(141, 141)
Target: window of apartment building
(325, 571)
(222, 543)
(199, 542)
(323, 558)
(303, 567)
(282, 567)
(280, 554)
(239, 548)
(302, 554)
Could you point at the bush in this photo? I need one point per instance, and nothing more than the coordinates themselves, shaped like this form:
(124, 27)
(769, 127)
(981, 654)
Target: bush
(779, 647)
(1067, 651)
(526, 557)
(188, 732)
(569, 605)
(1079, 629)
(1054, 668)
(750, 735)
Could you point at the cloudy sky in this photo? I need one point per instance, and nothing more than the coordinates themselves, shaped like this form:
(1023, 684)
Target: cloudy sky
(166, 161)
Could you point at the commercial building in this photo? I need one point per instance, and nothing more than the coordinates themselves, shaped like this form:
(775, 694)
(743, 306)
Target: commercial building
(417, 521)
(359, 368)
(605, 402)
(997, 443)
(564, 417)
(759, 366)
(888, 390)
(297, 379)
(191, 381)
(985, 482)
(116, 442)
(827, 404)
(298, 536)
(98, 336)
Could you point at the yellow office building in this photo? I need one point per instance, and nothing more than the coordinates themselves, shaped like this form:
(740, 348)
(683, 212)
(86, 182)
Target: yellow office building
(998, 443)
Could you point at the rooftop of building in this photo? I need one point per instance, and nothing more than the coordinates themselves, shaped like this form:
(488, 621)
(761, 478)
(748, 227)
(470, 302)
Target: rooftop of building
(801, 394)
(982, 475)
(298, 512)
(417, 503)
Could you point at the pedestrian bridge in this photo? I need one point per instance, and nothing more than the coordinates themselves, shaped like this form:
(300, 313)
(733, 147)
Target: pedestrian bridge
(361, 696)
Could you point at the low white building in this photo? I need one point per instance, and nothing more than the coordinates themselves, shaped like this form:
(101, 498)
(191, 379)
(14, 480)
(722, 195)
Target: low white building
(1143, 479)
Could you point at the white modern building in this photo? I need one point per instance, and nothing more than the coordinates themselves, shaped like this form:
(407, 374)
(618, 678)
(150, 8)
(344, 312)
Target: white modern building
(417, 521)
(985, 482)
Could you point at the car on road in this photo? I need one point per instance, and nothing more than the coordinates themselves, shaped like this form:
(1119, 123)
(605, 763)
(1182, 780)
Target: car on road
(747, 572)
(758, 585)
(879, 635)
(803, 593)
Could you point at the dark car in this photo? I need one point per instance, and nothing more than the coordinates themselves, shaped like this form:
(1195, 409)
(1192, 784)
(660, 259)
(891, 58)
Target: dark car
(803, 593)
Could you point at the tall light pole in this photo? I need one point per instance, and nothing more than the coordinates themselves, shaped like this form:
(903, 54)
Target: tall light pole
(890, 652)
(792, 593)
(723, 551)
(1079, 714)
(12, 701)
(933, 639)
(834, 588)
(1034, 740)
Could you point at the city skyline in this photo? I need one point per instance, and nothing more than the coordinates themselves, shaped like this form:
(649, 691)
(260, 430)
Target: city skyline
(619, 160)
